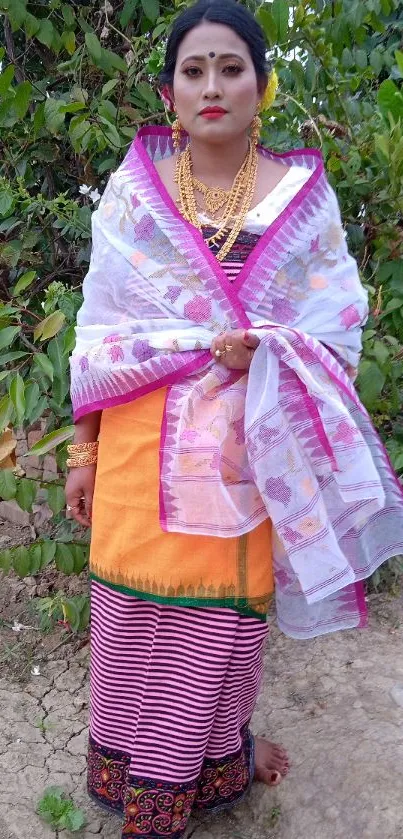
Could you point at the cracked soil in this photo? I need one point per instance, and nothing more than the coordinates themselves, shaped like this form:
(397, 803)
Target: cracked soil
(335, 703)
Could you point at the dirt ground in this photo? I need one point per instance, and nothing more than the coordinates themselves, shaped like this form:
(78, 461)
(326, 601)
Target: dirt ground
(336, 703)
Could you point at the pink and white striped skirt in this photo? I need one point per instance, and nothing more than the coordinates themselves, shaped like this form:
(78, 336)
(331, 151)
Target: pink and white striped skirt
(172, 693)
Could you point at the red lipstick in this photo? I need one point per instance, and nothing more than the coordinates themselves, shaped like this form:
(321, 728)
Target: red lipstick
(213, 113)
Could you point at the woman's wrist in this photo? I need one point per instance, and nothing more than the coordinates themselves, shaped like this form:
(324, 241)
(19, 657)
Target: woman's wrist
(87, 428)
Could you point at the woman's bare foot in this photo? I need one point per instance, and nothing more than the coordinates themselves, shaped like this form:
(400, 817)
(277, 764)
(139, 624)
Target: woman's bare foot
(271, 762)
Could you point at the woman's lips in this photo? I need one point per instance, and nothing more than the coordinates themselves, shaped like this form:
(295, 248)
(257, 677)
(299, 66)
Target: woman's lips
(214, 113)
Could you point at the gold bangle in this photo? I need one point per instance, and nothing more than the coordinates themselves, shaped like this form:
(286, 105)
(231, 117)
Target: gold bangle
(79, 448)
(83, 459)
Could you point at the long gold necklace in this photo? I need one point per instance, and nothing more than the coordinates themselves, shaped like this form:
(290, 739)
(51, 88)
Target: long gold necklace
(236, 202)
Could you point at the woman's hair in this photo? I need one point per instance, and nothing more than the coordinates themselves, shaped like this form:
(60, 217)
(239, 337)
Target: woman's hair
(227, 12)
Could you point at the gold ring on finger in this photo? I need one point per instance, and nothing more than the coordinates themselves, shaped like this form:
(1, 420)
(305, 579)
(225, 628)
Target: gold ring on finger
(228, 347)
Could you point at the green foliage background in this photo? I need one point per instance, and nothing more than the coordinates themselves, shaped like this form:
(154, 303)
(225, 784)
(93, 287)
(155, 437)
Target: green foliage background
(76, 81)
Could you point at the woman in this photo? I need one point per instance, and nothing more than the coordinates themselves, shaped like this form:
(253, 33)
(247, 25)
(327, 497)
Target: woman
(217, 422)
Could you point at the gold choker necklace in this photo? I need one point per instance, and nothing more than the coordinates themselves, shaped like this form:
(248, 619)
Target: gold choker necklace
(236, 202)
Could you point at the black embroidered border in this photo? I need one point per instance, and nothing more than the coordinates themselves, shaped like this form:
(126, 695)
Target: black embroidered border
(156, 808)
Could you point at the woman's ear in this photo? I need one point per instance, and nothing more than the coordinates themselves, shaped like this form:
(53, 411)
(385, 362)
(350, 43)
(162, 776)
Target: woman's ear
(167, 96)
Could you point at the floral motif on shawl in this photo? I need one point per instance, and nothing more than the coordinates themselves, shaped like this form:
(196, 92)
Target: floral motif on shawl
(291, 440)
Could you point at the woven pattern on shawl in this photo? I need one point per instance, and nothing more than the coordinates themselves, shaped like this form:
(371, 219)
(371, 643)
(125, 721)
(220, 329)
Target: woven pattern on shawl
(148, 321)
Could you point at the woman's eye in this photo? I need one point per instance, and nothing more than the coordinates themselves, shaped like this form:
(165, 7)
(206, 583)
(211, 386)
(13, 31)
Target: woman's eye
(233, 69)
(192, 71)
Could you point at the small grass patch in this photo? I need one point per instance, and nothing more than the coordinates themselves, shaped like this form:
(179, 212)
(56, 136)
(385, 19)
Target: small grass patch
(59, 811)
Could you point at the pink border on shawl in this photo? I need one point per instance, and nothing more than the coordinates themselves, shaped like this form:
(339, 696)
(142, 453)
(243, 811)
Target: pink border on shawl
(196, 235)
(168, 379)
(230, 290)
(295, 202)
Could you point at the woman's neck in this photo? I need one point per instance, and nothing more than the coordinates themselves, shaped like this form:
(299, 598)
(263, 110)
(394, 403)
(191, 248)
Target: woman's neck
(217, 165)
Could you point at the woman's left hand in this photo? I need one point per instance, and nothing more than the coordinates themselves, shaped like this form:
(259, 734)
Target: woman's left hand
(234, 349)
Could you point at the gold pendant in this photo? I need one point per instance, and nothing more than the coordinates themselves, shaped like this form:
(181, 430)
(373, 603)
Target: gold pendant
(215, 197)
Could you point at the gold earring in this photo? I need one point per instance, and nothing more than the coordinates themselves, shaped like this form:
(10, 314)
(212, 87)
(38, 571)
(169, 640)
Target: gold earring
(255, 129)
(176, 134)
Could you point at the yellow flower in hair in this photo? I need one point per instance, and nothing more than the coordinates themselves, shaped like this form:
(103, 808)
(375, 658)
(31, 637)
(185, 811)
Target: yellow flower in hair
(270, 92)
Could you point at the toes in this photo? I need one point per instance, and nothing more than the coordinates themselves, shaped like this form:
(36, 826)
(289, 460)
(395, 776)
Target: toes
(270, 777)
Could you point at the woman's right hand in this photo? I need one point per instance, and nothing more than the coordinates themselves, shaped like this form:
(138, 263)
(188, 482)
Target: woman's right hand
(79, 493)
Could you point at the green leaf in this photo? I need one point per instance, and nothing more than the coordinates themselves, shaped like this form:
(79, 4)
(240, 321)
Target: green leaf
(280, 13)
(45, 33)
(112, 134)
(78, 128)
(6, 78)
(54, 117)
(31, 25)
(146, 92)
(17, 396)
(56, 498)
(21, 561)
(80, 557)
(49, 327)
(6, 200)
(32, 394)
(64, 559)
(39, 410)
(376, 61)
(68, 15)
(127, 12)
(382, 144)
(35, 559)
(69, 339)
(347, 59)
(370, 382)
(71, 613)
(17, 12)
(22, 99)
(85, 614)
(151, 9)
(361, 59)
(109, 86)
(11, 252)
(75, 820)
(51, 440)
(381, 353)
(7, 335)
(5, 561)
(48, 551)
(399, 60)
(72, 108)
(111, 60)
(57, 357)
(8, 484)
(45, 365)
(69, 41)
(23, 282)
(390, 100)
(26, 493)
(6, 410)
(93, 46)
(6, 357)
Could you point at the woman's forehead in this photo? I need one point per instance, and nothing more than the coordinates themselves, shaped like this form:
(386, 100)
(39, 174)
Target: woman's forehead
(212, 38)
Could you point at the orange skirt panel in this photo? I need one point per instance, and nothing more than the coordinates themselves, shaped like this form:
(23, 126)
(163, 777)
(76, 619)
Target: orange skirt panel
(131, 552)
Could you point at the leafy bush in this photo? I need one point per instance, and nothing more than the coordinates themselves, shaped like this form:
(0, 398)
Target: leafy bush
(76, 81)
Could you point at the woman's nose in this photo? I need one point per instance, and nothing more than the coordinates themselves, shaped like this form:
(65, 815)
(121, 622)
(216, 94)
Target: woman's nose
(212, 89)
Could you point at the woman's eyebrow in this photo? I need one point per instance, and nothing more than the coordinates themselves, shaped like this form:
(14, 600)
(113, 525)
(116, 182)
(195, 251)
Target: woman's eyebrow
(203, 57)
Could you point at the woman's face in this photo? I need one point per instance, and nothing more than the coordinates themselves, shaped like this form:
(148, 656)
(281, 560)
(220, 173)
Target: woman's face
(215, 88)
